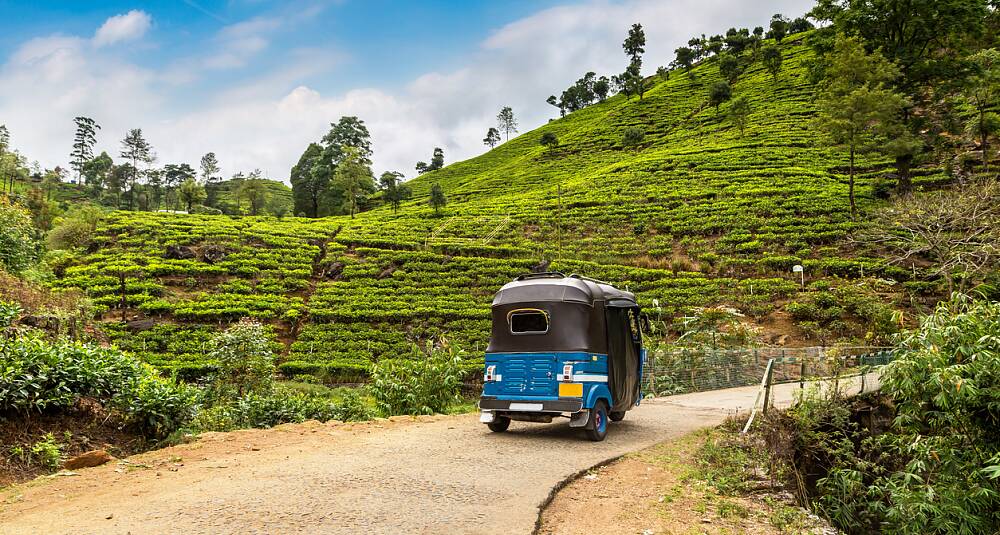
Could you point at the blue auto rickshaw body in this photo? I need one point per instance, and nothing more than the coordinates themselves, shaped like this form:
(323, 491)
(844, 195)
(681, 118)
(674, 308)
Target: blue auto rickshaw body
(562, 347)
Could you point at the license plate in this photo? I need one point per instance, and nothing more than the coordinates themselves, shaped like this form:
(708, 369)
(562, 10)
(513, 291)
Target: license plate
(570, 390)
(525, 406)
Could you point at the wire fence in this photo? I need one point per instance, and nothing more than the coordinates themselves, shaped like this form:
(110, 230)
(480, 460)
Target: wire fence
(680, 371)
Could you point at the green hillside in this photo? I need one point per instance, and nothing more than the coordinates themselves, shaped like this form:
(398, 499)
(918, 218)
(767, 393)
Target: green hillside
(696, 215)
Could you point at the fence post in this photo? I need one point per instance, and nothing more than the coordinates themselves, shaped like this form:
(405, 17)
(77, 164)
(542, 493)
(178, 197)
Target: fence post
(767, 384)
(802, 374)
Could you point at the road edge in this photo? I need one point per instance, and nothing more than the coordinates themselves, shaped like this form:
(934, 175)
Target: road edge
(566, 481)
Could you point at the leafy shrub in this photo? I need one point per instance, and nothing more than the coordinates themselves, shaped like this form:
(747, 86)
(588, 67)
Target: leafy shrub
(19, 246)
(244, 358)
(633, 136)
(423, 385)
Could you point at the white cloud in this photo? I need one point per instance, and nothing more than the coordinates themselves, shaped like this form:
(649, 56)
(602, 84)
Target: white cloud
(267, 123)
(126, 27)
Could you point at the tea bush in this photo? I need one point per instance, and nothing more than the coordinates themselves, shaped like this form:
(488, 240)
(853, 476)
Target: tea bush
(423, 385)
(38, 375)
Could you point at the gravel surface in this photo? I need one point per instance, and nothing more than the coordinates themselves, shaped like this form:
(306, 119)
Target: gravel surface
(442, 474)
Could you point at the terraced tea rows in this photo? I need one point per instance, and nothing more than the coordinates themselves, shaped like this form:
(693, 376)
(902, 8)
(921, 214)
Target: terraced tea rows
(696, 215)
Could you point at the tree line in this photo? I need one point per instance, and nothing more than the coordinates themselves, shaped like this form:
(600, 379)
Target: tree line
(134, 182)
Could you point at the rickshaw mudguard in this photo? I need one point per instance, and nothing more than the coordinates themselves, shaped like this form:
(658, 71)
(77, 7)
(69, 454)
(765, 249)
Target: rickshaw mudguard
(597, 392)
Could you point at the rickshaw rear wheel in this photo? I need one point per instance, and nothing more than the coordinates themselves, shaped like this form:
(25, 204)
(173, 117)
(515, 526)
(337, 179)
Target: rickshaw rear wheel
(616, 416)
(599, 429)
(499, 424)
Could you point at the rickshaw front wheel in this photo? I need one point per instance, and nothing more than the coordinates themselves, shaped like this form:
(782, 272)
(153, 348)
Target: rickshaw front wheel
(499, 424)
(599, 428)
(616, 416)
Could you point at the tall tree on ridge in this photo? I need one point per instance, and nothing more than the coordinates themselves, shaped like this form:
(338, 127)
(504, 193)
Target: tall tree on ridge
(136, 150)
(506, 121)
(83, 145)
(492, 138)
(210, 177)
(856, 108)
(634, 46)
(394, 192)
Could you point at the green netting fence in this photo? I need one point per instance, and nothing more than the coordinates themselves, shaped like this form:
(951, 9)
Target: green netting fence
(680, 371)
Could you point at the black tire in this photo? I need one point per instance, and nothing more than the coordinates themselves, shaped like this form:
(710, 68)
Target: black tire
(499, 424)
(598, 428)
(616, 416)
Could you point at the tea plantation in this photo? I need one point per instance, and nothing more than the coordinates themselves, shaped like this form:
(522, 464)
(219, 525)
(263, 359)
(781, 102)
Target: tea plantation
(695, 215)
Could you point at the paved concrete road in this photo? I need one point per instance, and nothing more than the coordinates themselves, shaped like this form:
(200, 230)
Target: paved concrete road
(445, 474)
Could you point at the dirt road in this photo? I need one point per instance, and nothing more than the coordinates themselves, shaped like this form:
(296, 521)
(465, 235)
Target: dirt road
(444, 474)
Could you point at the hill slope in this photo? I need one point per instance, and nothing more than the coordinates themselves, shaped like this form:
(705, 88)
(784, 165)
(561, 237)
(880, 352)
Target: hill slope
(697, 215)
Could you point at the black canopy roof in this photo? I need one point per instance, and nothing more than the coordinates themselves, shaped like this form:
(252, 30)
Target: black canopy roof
(576, 308)
(554, 287)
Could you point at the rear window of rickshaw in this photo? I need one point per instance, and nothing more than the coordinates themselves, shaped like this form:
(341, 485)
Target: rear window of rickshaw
(529, 321)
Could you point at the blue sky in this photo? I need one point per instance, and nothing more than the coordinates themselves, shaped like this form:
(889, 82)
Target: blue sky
(255, 81)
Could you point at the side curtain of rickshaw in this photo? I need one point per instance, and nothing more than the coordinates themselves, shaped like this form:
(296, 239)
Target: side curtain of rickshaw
(624, 352)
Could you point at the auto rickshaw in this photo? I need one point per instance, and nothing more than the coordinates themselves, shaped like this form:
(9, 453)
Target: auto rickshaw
(562, 346)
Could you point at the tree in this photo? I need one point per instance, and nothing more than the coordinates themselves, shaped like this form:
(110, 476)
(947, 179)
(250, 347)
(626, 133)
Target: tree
(855, 106)
(549, 140)
(83, 145)
(210, 177)
(136, 150)
(685, 58)
(438, 200)
(19, 248)
(634, 46)
(926, 39)
(117, 179)
(737, 40)
(349, 131)
(739, 113)
(771, 57)
(393, 190)
(506, 121)
(437, 159)
(635, 43)
(254, 190)
(210, 168)
(983, 94)
(601, 87)
(779, 27)
(492, 137)
(354, 178)
(51, 181)
(173, 176)
(718, 93)
(715, 44)
(800, 24)
(96, 172)
(308, 187)
(729, 67)
(421, 167)
(192, 193)
(956, 231)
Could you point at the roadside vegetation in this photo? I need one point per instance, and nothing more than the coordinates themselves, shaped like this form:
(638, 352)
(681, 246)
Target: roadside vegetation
(921, 456)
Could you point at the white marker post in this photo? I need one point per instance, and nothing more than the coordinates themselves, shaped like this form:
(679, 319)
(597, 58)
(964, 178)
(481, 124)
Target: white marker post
(798, 269)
